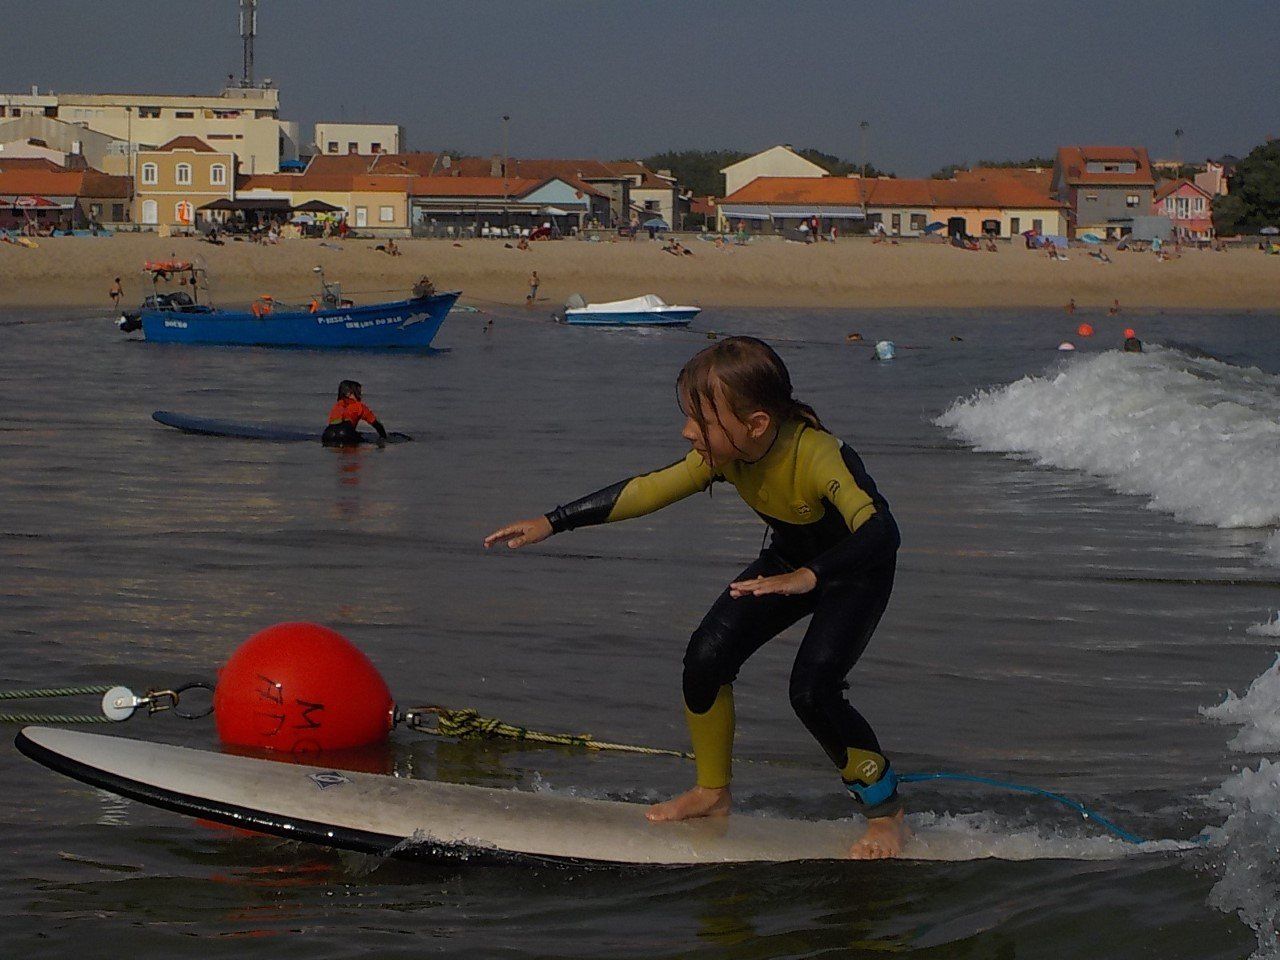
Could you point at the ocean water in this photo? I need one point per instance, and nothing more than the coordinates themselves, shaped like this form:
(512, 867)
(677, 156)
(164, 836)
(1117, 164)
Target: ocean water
(1086, 602)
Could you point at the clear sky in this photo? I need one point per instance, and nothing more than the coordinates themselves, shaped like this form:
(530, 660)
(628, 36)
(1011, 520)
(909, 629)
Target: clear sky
(937, 82)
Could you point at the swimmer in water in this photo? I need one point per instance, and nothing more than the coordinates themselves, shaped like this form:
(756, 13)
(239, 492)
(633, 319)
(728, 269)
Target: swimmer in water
(346, 415)
(831, 556)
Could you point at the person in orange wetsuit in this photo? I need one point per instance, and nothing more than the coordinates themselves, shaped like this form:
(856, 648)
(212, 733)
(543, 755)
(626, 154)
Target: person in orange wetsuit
(346, 415)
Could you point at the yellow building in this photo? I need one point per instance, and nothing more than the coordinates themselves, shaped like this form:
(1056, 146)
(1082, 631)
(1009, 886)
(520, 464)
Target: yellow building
(175, 180)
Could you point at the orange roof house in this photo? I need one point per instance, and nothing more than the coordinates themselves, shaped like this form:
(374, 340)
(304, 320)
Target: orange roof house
(1104, 187)
(1000, 202)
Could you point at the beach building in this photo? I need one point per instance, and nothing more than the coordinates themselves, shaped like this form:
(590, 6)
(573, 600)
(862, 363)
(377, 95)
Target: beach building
(1104, 188)
(655, 194)
(359, 138)
(38, 193)
(995, 203)
(243, 120)
(476, 206)
(779, 161)
(178, 178)
(1188, 206)
(1213, 179)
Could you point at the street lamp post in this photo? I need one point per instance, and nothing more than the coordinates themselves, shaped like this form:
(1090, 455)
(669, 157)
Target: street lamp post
(862, 136)
(506, 212)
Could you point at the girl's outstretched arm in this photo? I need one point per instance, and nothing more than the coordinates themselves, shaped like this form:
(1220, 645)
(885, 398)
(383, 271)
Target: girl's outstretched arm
(521, 533)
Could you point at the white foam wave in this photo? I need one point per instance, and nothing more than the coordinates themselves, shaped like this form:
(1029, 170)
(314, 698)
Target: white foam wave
(1257, 713)
(1199, 437)
(1269, 629)
(1244, 853)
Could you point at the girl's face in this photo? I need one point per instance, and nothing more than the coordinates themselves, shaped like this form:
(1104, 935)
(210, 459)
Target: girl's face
(725, 438)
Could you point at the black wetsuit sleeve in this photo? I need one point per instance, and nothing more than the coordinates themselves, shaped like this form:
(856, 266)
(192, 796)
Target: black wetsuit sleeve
(636, 496)
(832, 472)
(382, 431)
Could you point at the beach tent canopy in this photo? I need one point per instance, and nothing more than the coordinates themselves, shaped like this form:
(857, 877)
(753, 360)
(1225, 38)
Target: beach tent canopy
(317, 206)
(1270, 231)
(935, 227)
(556, 212)
(29, 202)
(656, 223)
(222, 203)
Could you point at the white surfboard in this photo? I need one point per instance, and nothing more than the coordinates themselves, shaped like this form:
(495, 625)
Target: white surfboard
(417, 818)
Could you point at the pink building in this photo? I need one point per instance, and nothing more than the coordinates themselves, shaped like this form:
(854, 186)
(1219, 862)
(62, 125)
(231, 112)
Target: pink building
(1189, 207)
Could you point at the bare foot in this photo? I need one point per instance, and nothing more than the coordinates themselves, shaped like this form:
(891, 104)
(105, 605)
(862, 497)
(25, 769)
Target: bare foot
(698, 802)
(884, 838)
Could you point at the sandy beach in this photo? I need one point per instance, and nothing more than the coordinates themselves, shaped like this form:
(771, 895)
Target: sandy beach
(77, 271)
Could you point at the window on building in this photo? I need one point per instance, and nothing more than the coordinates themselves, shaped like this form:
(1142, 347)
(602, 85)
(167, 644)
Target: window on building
(2, 110)
(150, 212)
(182, 174)
(386, 214)
(184, 212)
(651, 205)
(149, 113)
(184, 114)
(1091, 196)
(1199, 204)
(353, 147)
(895, 222)
(918, 222)
(95, 211)
(150, 175)
(1015, 226)
(331, 146)
(117, 212)
(218, 174)
(1131, 200)
(362, 216)
(1037, 226)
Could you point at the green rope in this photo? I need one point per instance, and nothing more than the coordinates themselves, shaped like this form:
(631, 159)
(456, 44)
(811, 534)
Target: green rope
(52, 718)
(467, 724)
(52, 692)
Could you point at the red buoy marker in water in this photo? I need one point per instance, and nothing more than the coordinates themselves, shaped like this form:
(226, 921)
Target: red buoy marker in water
(301, 688)
(1085, 330)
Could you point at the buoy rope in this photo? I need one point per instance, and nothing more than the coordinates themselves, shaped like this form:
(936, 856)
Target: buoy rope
(44, 692)
(53, 718)
(468, 724)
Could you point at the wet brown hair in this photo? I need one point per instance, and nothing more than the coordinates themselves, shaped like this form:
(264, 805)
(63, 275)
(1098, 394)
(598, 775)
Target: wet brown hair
(746, 374)
(349, 388)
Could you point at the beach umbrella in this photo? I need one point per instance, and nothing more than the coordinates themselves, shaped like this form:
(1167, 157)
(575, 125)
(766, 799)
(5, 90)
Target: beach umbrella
(1091, 238)
(317, 206)
(935, 227)
(303, 218)
(222, 203)
(1270, 231)
(656, 223)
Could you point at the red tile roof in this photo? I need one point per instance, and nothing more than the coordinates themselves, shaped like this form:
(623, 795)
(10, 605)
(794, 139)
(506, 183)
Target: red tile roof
(1073, 165)
(186, 143)
(977, 191)
(495, 187)
(422, 164)
(63, 183)
(28, 163)
(95, 183)
(348, 163)
(372, 183)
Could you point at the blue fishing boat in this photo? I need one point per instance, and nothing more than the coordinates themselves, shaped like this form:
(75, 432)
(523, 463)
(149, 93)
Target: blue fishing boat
(328, 321)
(647, 311)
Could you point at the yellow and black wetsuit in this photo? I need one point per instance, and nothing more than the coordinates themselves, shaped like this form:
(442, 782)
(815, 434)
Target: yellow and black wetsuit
(825, 514)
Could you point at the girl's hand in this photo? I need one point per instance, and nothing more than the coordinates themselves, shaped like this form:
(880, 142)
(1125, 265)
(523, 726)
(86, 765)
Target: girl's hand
(785, 584)
(521, 533)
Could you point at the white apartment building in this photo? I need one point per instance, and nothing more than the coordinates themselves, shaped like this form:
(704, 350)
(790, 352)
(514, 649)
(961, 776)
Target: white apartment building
(241, 120)
(363, 138)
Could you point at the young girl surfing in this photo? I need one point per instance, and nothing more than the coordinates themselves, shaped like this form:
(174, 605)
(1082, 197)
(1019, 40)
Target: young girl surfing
(831, 556)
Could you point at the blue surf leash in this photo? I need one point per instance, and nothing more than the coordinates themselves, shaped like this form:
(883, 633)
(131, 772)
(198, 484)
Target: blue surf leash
(1075, 805)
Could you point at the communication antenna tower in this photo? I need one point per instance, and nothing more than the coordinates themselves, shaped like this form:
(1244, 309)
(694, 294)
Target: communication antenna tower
(248, 30)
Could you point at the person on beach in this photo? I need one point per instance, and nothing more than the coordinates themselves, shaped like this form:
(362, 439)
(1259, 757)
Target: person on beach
(831, 556)
(345, 417)
(1114, 308)
(1071, 306)
(116, 293)
(534, 283)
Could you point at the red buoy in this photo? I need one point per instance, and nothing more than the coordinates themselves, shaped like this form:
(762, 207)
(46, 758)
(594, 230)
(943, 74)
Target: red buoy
(1129, 333)
(1085, 330)
(301, 688)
